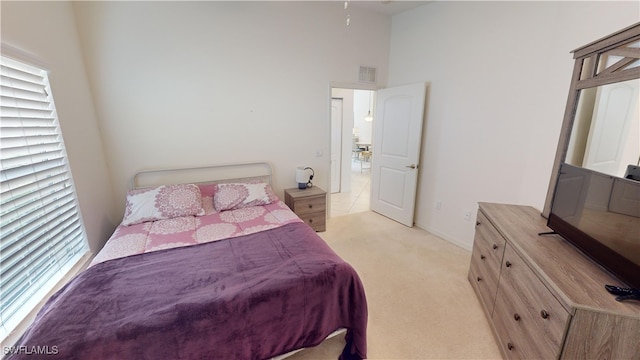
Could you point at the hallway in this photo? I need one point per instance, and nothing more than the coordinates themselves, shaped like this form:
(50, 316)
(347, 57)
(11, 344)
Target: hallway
(358, 199)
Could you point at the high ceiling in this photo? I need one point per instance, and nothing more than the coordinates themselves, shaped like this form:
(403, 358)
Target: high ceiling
(388, 7)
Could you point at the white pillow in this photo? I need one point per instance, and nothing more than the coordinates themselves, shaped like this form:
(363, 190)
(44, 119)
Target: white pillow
(162, 202)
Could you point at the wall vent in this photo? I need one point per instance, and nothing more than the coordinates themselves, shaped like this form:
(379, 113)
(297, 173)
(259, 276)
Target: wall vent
(367, 74)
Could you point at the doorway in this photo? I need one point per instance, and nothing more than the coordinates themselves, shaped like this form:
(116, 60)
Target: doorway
(351, 149)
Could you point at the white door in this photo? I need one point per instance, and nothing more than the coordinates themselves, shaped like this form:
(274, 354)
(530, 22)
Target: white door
(614, 139)
(397, 135)
(336, 144)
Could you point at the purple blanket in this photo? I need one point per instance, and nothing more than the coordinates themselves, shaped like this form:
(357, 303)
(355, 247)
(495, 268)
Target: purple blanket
(251, 297)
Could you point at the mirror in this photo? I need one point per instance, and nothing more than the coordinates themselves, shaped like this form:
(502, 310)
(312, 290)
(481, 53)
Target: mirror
(601, 125)
(606, 129)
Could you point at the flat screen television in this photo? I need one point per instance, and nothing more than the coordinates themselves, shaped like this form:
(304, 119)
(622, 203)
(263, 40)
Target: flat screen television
(600, 215)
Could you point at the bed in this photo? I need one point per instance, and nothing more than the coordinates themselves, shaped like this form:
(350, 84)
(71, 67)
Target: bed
(203, 270)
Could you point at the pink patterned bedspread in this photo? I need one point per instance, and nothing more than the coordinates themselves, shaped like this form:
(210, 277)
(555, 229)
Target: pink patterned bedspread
(191, 230)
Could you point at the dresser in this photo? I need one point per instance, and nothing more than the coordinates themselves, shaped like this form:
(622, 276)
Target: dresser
(543, 298)
(309, 204)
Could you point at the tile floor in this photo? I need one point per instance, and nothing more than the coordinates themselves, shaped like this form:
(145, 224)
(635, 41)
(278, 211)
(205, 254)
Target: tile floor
(357, 200)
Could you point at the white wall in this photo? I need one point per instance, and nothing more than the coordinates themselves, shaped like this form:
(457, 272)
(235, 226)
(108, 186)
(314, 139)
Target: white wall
(45, 32)
(195, 83)
(180, 84)
(499, 74)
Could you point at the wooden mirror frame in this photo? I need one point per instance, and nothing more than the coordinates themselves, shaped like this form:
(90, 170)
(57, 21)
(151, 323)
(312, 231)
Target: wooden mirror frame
(589, 72)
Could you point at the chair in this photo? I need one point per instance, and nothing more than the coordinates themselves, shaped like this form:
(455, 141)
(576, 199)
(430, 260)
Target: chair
(365, 157)
(355, 150)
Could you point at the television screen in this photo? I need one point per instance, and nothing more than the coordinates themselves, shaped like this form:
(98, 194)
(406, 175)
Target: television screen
(600, 214)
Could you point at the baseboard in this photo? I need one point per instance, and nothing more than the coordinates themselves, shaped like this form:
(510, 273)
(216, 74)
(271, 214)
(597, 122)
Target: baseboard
(446, 237)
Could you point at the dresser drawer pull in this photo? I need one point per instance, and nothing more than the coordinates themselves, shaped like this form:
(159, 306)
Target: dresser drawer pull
(310, 206)
(544, 314)
(482, 257)
(510, 346)
(477, 223)
(479, 278)
(507, 264)
(495, 247)
(516, 317)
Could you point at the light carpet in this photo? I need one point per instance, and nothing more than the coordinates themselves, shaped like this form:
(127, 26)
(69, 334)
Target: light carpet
(421, 305)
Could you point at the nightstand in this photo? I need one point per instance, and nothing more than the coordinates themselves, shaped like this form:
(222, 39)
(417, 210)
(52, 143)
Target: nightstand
(309, 204)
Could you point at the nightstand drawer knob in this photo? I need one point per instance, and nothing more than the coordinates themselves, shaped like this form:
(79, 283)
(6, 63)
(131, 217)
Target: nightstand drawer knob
(495, 247)
(507, 264)
(510, 346)
(310, 221)
(544, 314)
(516, 317)
(310, 206)
(482, 257)
(479, 278)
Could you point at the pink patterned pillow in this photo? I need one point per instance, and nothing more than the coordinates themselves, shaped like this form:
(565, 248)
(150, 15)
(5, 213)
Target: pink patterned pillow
(162, 202)
(240, 195)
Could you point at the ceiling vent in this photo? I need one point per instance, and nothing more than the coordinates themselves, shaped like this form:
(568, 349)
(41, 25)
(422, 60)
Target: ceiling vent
(367, 74)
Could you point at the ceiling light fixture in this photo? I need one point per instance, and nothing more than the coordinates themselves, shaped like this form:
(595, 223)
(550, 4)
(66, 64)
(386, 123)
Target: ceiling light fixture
(346, 7)
(369, 117)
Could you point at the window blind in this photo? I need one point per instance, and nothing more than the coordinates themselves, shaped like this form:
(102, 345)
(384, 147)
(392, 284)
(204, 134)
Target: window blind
(41, 232)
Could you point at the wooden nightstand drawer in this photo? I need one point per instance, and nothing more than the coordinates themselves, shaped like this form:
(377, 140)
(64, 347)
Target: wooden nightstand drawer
(529, 320)
(316, 220)
(310, 205)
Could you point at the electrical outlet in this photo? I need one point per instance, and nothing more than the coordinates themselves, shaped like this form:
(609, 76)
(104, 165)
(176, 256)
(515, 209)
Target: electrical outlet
(467, 215)
(438, 205)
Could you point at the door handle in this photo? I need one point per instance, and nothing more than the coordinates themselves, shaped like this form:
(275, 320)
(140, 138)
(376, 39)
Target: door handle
(412, 166)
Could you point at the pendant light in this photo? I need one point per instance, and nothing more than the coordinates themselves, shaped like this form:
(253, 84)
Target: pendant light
(369, 117)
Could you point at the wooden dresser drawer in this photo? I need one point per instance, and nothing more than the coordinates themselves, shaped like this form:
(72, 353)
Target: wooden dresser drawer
(529, 320)
(486, 258)
(488, 244)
